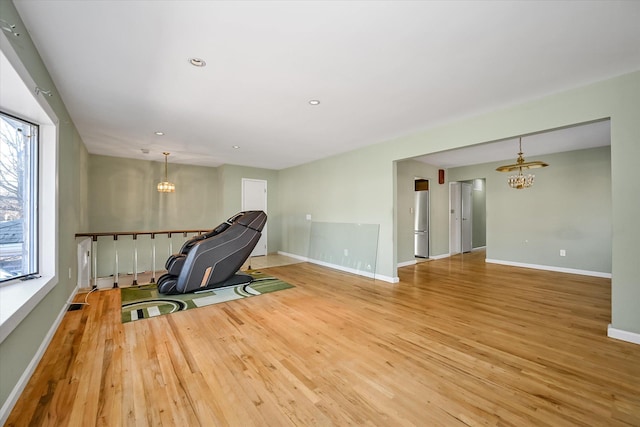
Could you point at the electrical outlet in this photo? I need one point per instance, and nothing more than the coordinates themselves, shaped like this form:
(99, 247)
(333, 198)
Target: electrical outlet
(563, 252)
(346, 252)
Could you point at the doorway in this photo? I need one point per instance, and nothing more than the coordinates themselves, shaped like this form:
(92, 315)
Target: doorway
(467, 220)
(254, 198)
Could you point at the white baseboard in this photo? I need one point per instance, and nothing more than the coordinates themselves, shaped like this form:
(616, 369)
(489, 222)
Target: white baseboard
(387, 279)
(431, 257)
(294, 256)
(619, 334)
(345, 269)
(407, 263)
(551, 268)
(12, 399)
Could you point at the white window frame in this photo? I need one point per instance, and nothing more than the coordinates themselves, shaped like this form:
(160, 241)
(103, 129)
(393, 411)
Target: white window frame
(19, 298)
(30, 215)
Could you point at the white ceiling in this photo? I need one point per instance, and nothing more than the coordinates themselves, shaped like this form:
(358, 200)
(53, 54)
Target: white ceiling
(591, 135)
(380, 69)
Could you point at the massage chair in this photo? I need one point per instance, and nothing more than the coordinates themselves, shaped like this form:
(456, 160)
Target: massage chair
(212, 260)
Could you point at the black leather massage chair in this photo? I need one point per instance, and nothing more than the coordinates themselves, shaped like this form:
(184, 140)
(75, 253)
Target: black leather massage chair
(212, 260)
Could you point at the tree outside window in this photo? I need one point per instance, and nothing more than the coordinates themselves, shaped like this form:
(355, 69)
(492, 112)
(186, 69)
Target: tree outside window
(18, 190)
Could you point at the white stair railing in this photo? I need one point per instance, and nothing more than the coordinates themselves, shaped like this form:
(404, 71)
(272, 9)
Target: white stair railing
(130, 253)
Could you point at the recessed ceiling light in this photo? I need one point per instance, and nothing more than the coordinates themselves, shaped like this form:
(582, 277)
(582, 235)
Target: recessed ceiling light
(314, 102)
(236, 147)
(159, 133)
(197, 62)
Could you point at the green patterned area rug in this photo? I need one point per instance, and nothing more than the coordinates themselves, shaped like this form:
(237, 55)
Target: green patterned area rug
(140, 302)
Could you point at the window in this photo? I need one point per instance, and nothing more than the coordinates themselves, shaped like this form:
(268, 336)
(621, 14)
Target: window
(18, 198)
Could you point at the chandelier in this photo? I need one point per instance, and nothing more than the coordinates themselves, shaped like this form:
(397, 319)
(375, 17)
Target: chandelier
(166, 186)
(520, 181)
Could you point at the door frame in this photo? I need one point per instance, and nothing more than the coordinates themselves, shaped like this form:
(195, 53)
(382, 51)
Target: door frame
(455, 209)
(466, 225)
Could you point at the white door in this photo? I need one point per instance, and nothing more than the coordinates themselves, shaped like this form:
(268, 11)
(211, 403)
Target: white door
(254, 198)
(467, 216)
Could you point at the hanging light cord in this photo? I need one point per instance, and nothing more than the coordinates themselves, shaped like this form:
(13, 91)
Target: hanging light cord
(166, 155)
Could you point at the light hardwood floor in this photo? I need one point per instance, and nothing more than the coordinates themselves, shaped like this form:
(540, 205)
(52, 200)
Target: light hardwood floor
(456, 342)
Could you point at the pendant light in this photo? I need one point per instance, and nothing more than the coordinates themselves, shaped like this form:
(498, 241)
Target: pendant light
(166, 186)
(521, 181)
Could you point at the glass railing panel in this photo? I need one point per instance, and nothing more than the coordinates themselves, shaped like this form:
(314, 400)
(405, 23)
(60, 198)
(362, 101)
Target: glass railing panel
(351, 247)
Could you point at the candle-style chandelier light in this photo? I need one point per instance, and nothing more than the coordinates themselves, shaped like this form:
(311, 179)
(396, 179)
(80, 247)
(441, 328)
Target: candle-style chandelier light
(520, 181)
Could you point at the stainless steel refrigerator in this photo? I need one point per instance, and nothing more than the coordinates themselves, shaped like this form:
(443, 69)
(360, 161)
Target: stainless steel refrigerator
(421, 224)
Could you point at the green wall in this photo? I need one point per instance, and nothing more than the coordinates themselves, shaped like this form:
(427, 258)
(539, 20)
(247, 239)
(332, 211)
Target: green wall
(355, 187)
(568, 207)
(123, 196)
(20, 346)
(361, 186)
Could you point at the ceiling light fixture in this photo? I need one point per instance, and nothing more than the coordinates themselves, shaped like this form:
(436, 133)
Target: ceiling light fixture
(314, 102)
(159, 133)
(236, 147)
(39, 91)
(197, 62)
(521, 181)
(9, 28)
(166, 186)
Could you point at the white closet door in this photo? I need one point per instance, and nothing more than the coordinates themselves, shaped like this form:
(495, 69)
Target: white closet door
(254, 198)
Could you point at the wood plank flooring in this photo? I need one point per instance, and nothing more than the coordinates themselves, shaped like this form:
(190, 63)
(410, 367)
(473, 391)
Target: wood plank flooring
(456, 342)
